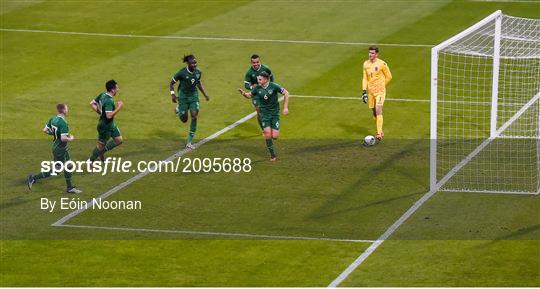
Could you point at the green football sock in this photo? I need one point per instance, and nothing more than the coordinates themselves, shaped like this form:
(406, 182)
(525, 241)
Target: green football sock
(68, 180)
(95, 154)
(192, 129)
(270, 146)
(110, 145)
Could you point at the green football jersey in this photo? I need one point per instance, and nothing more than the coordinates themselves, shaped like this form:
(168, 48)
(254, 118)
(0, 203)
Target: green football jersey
(106, 104)
(58, 126)
(188, 82)
(268, 97)
(251, 75)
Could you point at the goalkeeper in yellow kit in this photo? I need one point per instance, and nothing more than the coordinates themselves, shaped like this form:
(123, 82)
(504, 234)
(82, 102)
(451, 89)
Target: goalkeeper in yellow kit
(376, 77)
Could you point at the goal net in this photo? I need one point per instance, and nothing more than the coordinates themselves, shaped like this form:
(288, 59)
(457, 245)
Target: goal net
(485, 121)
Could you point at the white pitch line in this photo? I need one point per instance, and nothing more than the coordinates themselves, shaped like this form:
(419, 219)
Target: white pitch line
(355, 98)
(211, 38)
(405, 100)
(215, 233)
(142, 174)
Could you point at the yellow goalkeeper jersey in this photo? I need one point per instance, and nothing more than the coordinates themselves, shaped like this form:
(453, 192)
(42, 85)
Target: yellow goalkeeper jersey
(376, 76)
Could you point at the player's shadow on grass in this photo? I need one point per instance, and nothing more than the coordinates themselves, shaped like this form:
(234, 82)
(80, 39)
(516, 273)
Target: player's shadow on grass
(515, 235)
(380, 202)
(21, 182)
(252, 148)
(17, 201)
(355, 129)
(364, 182)
(326, 147)
(167, 134)
(23, 195)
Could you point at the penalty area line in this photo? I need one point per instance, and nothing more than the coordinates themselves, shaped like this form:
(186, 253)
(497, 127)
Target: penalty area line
(142, 174)
(223, 234)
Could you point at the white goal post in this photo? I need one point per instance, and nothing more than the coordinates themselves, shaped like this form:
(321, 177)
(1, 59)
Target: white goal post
(485, 120)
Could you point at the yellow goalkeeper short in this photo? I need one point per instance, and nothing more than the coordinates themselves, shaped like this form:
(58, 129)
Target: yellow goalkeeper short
(376, 99)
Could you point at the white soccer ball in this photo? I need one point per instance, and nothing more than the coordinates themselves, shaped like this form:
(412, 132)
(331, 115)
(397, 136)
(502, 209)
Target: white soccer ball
(369, 140)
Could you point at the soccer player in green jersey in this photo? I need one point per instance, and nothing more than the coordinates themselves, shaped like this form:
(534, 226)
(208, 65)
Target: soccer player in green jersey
(58, 127)
(109, 135)
(250, 80)
(267, 94)
(188, 95)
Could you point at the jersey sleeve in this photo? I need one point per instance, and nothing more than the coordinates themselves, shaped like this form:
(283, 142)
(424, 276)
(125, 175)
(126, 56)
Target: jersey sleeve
(364, 77)
(199, 78)
(387, 73)
(63, 128)
(254, 92)
(279, 88)
(107, 105)
(176, 77)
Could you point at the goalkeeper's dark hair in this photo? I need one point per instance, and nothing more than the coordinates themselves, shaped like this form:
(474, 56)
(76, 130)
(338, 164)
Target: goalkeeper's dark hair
(61, 107)
(264, 74)
(255, 56)
(188, 58)
(375, 48)
(110, 85)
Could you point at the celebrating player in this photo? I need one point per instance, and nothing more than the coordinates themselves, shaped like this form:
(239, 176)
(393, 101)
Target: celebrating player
(58, 127)
(376, 77)
(188, 95)
(250, 80)
(266, 93)
(107, 109)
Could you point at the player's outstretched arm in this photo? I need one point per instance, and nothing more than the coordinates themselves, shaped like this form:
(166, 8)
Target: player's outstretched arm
(244, 94)
(285, 102)
(201, 88)
(247, 78)
(171, 88)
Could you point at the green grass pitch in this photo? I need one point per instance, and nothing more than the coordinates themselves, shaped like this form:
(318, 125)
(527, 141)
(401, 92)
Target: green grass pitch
(325, 185)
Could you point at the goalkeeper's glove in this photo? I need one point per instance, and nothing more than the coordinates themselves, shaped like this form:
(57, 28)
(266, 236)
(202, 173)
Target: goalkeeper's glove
(364, 96)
